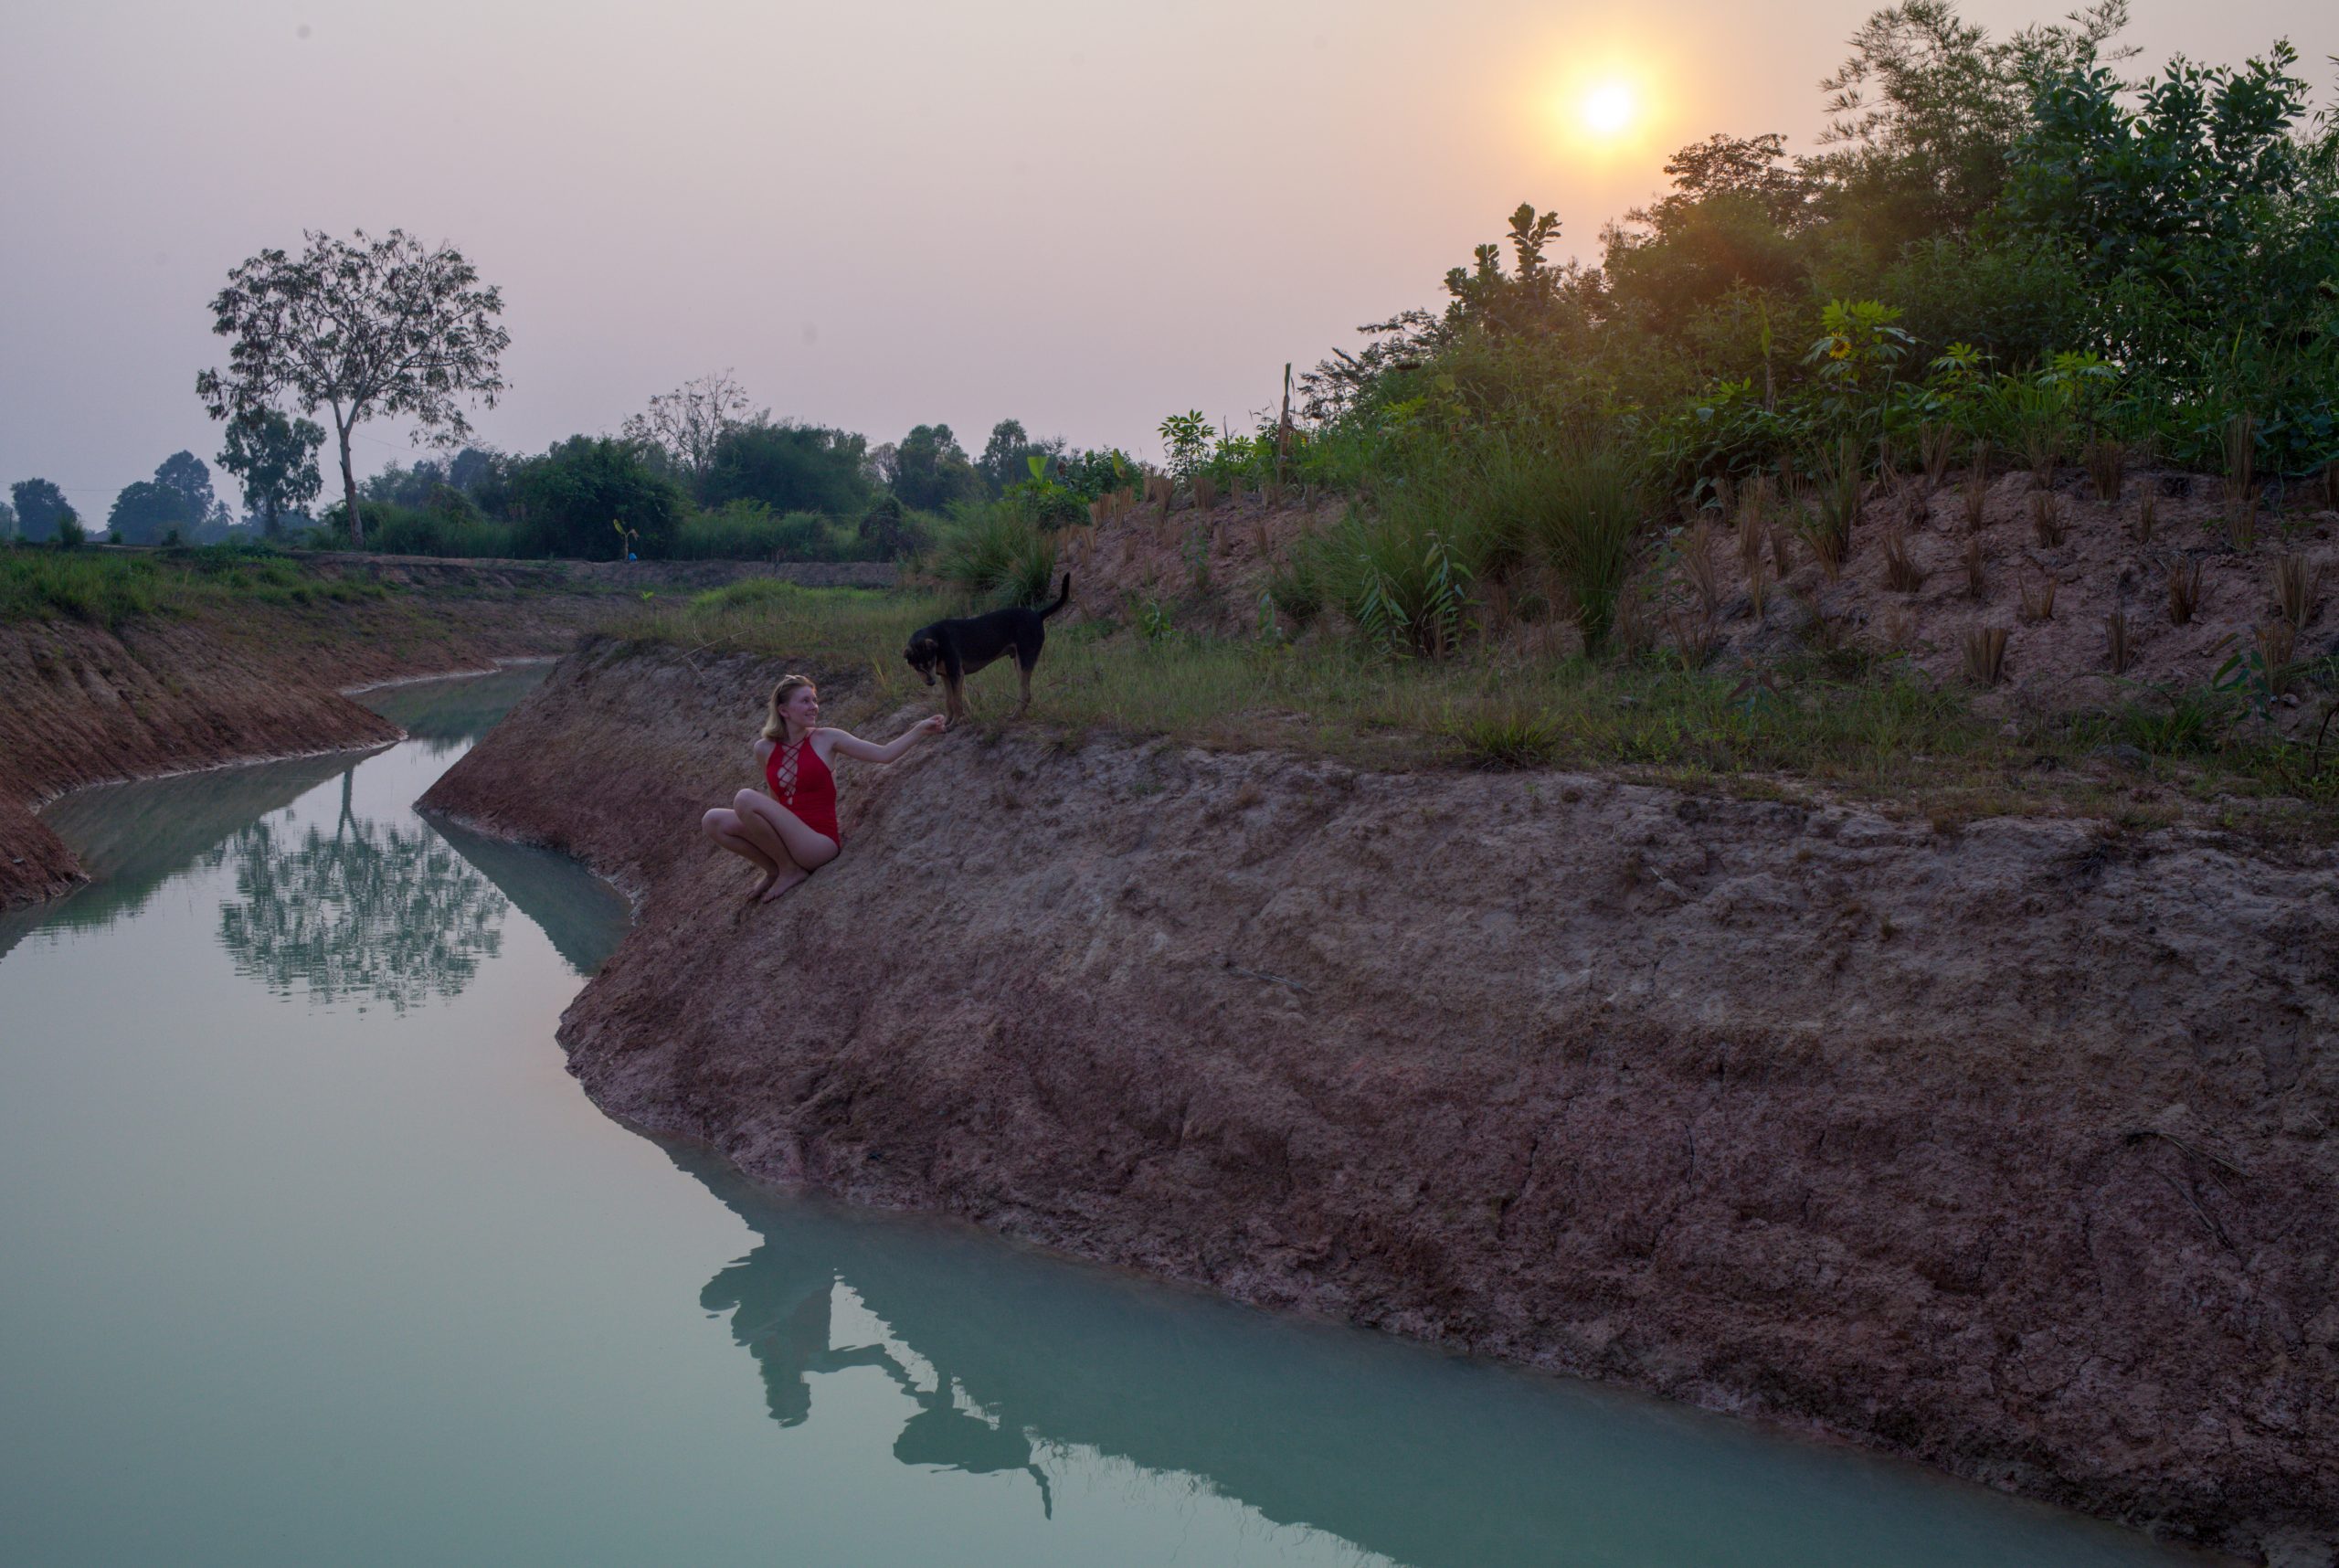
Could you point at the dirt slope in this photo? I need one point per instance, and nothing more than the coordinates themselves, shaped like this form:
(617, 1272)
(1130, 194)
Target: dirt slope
(2102, 565)
(2011, 1150)
(84, 705)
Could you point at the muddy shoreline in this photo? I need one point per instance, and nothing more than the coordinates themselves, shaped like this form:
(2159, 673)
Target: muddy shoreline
(2007, 1150)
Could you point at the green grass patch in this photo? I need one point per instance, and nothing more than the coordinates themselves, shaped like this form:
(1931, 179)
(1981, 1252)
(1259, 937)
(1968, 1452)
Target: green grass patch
(1875, 731)
(108, 588)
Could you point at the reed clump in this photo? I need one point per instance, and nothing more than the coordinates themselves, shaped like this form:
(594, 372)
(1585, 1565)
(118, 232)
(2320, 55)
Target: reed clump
(1973, 497)
(2042, 448)
(1782, 551)
(1916, 504)
(1695, 638)
(1985, 655)
(2038, 598)
(2241, 482)
(2046, 518)
(1629, 629)
(2298, 588)
(2147, 516)
(1754, 506)
(2107, 466)
(2183, 591)
(2119, 648)
(2278, 644)
(1836, 507)
(1901, 572)
(1510, 738)
(1978, 577)
(1701, 567)
(1936, 444)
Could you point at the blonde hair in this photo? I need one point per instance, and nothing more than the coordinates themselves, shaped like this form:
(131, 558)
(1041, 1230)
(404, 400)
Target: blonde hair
(774, 726)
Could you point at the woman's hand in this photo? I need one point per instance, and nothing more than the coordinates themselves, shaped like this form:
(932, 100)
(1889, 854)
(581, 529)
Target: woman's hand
(932, 724)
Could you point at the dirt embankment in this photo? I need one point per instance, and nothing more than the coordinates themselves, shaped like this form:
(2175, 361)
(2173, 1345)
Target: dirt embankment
(472, 573)
(2106, 560)
(2010, 1149)
(84, 704)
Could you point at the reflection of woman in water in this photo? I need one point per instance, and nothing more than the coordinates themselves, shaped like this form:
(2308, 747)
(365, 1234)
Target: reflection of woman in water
(791, 832)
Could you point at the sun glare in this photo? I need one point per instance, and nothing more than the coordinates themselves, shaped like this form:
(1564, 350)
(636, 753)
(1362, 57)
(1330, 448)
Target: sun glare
(1608, 108)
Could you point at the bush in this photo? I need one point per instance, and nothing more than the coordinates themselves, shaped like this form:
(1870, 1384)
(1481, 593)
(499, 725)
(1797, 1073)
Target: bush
(990, 550)
(567, 499)
(789, 469)
(1406, 569)
(1296, 587)
(746, 531)
(1401, 573)
(396, 530)
(889, 531)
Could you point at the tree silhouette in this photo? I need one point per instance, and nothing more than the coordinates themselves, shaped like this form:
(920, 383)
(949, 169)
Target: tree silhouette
(384, 326)
(275, 460)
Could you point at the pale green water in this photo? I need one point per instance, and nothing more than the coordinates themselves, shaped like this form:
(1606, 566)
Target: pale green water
(312, 1254)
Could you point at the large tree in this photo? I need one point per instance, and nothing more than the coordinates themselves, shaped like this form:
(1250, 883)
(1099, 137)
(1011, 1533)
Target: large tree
(177, 498)
(789, 467)
(689, 423)
(146, 510)
(1007, 457)
(568, 498)
(275, 460)
(189, 477)
(1928, 110)
(375, 327)
(930, 469)
(40, 506)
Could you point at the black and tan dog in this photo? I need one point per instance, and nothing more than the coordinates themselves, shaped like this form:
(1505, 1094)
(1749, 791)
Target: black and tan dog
(956, 649)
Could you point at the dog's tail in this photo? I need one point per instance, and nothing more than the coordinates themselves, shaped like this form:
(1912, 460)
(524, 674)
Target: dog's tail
(1062, 600)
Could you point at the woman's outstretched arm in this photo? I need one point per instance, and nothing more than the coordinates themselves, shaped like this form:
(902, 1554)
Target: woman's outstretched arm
(861, 750)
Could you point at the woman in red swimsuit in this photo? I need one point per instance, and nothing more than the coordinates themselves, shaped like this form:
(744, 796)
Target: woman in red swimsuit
(791, 832)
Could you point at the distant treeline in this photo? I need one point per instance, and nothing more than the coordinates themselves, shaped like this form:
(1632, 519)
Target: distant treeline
(756, 489)
(696, 476)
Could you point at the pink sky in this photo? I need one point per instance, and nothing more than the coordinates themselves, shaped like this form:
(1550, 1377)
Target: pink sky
(880, 213)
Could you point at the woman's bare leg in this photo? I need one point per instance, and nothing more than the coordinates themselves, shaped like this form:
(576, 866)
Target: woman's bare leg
(759, 832)
(773, 826)
(722, 825)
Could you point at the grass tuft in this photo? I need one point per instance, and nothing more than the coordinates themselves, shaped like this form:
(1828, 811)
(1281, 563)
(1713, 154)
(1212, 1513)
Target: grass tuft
(2038, 598)
(2183, 591)
(1901, 572)
(2046, 518)
(1506, 739)
(1985, 655)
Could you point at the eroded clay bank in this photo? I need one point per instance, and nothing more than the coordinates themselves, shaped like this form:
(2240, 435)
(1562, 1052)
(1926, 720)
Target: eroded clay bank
(2008, 1149)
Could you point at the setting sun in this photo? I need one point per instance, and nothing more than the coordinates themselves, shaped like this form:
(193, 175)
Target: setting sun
(1609, 108)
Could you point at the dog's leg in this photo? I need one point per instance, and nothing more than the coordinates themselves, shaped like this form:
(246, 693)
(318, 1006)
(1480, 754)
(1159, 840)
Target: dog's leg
(1023, 672)
(954, 682)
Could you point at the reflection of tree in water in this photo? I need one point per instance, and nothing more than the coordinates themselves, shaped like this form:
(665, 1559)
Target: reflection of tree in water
(381, 913)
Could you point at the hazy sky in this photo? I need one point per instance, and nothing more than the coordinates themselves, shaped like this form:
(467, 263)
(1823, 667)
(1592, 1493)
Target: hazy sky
(881, 213)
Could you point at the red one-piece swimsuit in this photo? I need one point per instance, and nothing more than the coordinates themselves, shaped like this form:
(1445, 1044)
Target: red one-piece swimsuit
(801, 782)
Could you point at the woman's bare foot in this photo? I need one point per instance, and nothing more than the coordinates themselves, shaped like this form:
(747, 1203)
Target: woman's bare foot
(755, 894)
(781, 884)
